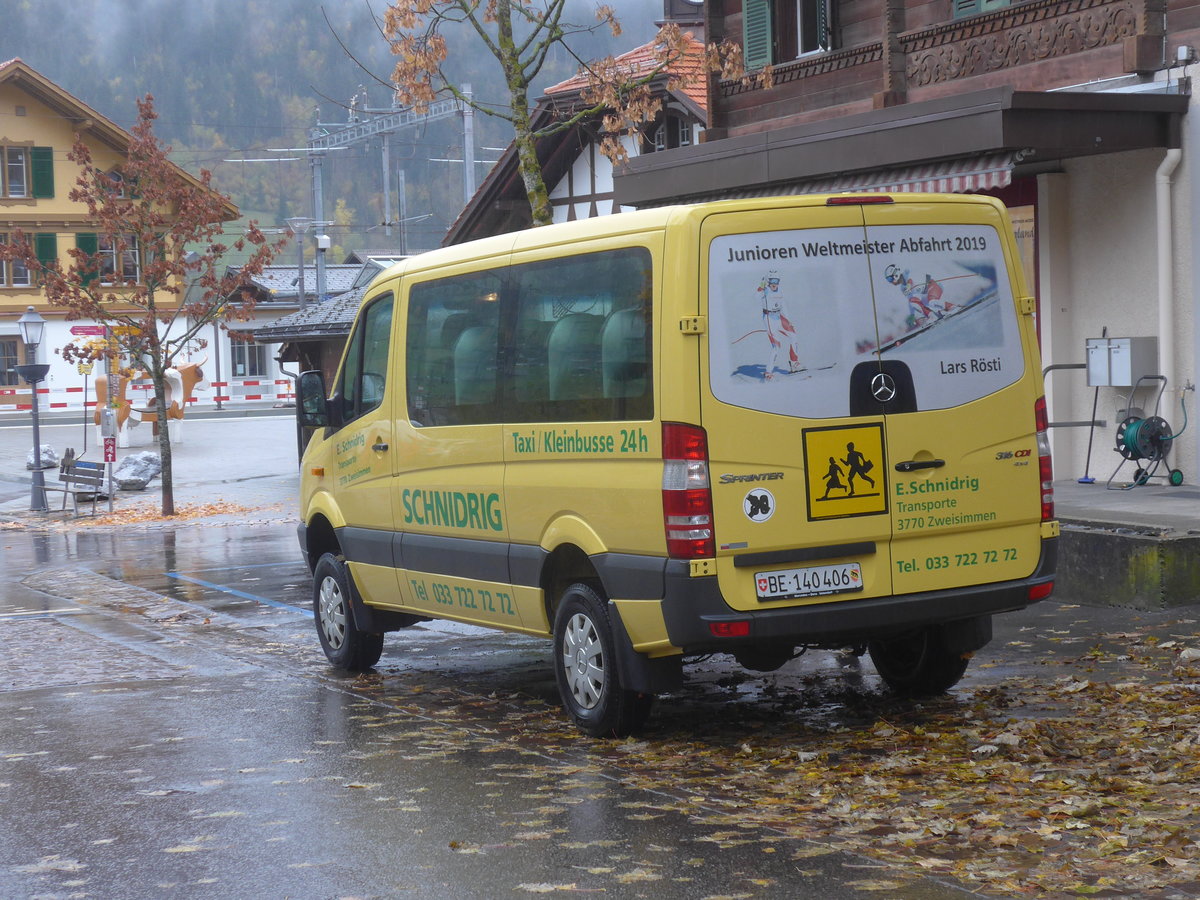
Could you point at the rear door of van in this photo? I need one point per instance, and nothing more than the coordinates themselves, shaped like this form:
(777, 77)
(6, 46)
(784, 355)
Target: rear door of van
(960, 430)
(870, 423)
(799, 485)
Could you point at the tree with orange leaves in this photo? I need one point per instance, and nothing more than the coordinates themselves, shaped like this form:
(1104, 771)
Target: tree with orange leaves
(157, 229)
(521, 34)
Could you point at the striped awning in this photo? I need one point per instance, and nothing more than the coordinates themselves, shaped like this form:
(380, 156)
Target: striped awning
(954, 176)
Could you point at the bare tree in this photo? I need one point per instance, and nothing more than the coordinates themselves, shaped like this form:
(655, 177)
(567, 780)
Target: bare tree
(520, 35)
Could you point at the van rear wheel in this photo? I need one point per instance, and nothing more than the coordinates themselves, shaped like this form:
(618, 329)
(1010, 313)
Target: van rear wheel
(345, 646)
(585, 666)
(918, 664)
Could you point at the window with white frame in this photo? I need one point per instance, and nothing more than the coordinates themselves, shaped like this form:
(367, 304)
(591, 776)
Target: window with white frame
(114, 183)
(119, 259)
(13, 273)
(249, 359)
(9, 348)
(672, 132)
(778, 31)
(15, 175)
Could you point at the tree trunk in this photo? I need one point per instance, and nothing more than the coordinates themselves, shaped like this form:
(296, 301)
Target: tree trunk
(164, 443)
(531, 175)
(509, 57)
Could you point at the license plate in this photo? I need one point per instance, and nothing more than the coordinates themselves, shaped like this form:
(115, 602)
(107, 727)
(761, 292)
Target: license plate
(811, 581)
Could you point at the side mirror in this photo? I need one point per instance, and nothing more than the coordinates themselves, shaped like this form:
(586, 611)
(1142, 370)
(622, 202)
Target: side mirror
(312, 409)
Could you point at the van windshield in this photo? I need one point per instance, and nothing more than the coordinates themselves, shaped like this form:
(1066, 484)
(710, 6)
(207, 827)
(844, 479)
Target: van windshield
(793, 313)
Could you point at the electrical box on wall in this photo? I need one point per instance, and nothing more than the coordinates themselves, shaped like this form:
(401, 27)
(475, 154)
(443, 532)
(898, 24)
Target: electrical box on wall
(1121, 362)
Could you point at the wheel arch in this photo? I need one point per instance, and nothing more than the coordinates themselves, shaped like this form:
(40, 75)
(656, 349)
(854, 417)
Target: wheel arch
(320, 537)
(322, 519)
(565, 565)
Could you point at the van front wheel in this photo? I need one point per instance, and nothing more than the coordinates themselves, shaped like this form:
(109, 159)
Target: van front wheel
(918, 664)
(585, 666)
(345, 646)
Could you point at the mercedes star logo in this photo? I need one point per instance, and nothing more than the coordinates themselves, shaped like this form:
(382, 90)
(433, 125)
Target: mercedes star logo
(883, 388)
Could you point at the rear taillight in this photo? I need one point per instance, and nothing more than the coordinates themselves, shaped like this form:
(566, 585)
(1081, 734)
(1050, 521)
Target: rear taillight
(1045, 469)
(686, 493)
(1041, 591)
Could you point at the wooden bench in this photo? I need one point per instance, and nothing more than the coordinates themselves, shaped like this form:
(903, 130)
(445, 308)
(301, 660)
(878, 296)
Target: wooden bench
(77, 477)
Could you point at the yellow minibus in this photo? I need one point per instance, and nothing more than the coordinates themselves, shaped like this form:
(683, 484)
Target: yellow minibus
(749, 427)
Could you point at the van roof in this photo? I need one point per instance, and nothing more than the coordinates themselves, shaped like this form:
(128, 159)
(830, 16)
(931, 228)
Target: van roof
(639, 221)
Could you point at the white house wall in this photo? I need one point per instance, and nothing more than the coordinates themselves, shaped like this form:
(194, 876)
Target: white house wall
(1099, 269)
(589, 181)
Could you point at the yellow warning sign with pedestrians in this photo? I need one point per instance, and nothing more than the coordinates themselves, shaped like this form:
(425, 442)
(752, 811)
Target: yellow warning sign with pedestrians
(847, 471)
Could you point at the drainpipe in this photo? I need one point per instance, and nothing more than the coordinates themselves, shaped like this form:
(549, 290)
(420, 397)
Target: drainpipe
(1166, 263)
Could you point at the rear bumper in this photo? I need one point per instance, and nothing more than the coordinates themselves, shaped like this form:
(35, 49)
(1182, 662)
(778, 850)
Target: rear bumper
(691, 606)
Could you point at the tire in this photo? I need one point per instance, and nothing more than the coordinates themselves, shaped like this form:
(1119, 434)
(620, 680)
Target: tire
(585, 667)
(1176, 478)
(918, 664)
(345, 646)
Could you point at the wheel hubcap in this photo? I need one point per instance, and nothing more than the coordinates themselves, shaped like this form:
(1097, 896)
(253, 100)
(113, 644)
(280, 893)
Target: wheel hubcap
(331, 612)
(583, 661)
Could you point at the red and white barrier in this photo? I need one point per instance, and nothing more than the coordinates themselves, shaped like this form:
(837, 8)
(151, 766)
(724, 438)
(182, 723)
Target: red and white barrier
(139, 393)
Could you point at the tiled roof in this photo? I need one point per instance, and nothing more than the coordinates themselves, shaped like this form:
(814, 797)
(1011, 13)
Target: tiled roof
(690, 66)
(330, 318)
(281, 280)
(361, 256)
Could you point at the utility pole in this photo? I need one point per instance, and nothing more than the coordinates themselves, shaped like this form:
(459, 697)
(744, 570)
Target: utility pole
(299, 226)
(468, 114)
(367, 124)
(403, 213)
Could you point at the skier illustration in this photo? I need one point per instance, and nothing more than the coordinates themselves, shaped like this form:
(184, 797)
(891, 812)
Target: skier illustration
(780, 331)
(833, 478)
(924, 299)
(858, 466)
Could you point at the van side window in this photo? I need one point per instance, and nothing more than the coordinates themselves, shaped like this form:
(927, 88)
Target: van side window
(565, 340)
(453, 350)
(364, 373)
(581, 341)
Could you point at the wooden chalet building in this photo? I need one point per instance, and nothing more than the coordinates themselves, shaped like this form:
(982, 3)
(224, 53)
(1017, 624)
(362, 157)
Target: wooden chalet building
(578, 176)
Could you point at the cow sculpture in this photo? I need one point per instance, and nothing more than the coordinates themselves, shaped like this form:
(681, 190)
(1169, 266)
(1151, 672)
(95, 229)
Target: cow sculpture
(180, 381)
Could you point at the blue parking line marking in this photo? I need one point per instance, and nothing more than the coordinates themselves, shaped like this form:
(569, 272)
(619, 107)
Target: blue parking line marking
(245, 596)
(273, 565)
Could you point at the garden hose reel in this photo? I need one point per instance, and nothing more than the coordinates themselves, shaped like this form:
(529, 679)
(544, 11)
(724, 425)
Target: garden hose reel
(1146, 441)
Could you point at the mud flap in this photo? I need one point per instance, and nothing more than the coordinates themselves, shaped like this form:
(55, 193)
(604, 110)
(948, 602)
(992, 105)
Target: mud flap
(967, 635)
(370, 620)
(639, 672)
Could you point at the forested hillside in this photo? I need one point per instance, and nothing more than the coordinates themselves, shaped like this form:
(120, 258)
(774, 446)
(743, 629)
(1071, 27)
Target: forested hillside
(232, 79)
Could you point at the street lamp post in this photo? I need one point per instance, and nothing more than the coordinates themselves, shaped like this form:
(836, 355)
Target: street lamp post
(32, 327)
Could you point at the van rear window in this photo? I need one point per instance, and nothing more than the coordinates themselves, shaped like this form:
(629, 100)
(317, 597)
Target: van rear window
(794, 313)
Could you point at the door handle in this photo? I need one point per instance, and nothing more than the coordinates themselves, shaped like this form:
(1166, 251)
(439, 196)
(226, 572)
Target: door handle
(379, 446)
(911, 465)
